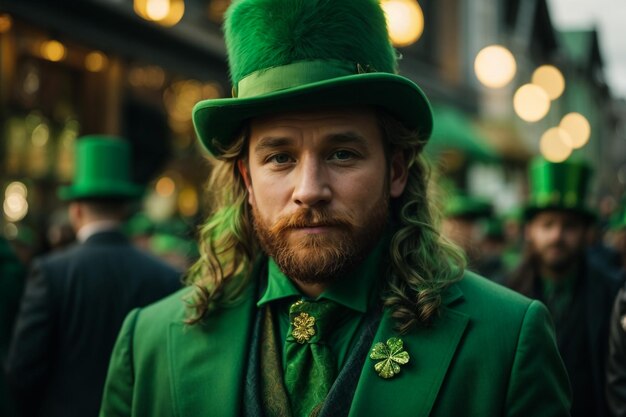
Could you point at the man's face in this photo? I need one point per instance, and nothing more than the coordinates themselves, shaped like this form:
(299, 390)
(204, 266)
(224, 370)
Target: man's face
(556, 239)
(319, 186)
(462, 232)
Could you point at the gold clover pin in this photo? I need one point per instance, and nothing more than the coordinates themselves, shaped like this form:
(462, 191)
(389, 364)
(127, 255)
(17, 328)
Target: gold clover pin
(391, 356)
(303, 328)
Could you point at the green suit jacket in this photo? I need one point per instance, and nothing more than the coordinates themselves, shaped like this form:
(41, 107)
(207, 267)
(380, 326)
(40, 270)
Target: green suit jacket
(491, 352)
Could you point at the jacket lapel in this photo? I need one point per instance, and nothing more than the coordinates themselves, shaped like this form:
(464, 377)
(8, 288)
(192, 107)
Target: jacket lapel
(207, 362)
(416, 387)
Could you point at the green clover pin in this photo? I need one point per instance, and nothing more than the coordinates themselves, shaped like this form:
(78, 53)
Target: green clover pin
(392, 357)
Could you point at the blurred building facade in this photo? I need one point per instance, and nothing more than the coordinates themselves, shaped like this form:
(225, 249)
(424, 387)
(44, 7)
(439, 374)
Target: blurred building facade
(108, 66)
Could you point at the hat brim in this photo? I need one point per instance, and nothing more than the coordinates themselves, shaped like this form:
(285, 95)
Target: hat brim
(218, 121)
(123, 191)
(531, 211)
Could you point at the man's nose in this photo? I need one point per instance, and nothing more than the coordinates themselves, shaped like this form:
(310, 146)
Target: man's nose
(311, 183)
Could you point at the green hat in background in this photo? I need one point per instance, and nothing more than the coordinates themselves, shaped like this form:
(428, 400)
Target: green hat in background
(468, 207)
(162, 243)
(102, 170)
(558, 186)
(139, 224)
(289, 55)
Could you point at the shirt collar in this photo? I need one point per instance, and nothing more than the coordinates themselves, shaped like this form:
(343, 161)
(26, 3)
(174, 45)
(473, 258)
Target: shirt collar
(92, 228)
(357, 290)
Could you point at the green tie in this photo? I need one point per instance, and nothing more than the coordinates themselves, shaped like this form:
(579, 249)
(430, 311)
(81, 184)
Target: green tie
(310, 370)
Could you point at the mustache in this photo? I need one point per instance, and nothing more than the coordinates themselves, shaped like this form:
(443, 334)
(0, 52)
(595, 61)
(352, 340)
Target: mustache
(308, 217)
(557, 245)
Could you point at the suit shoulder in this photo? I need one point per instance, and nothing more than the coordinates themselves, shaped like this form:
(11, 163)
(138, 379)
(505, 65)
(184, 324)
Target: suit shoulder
(481, 294)
(166, 310)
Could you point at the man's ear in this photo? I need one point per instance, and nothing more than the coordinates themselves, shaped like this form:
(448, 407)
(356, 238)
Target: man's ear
(75, 214)
(398, 175)
(243, 171)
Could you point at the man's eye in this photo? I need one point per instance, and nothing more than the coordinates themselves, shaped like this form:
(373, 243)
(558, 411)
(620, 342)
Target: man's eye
(342, 155)
(280, 158)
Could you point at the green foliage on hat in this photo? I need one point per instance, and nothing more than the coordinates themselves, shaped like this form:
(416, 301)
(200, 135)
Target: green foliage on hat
(298, 30)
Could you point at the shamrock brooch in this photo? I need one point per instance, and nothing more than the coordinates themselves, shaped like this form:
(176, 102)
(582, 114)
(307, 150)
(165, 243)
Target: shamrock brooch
(303, 328)
(391, 356)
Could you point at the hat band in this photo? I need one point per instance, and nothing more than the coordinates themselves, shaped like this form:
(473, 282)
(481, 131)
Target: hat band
(292, 75)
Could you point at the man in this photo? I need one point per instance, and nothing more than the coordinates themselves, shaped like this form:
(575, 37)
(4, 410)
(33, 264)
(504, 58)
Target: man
(12, 274)
(462, 214)
(556, 270)
(617, 227)
(616, 363)
(322, 287)
(76, 300)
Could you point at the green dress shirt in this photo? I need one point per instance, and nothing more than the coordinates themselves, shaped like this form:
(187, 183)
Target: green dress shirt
(356, 291)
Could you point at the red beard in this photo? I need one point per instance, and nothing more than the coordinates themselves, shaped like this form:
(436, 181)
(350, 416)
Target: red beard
(321, 258)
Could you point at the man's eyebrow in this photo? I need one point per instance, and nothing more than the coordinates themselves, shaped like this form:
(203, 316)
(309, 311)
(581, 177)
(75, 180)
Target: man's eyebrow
(338, 138)
(348, 137)
(272, 142)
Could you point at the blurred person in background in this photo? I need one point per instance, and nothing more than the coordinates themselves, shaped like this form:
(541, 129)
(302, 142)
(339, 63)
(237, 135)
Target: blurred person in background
(12, 274)
(25, 244)
(324, 286)
(139, 228)
(512, 226)
(491, 245)
(175, 250)
(462, 216)
(60, 233)
(617, 233)
(555, 269)
(616, 364)
(75, 300)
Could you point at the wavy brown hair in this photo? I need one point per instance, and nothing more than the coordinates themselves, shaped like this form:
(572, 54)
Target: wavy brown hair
(421, 262)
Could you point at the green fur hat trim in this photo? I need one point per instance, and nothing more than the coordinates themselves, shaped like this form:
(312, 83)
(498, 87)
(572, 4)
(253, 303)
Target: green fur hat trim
(289, 55)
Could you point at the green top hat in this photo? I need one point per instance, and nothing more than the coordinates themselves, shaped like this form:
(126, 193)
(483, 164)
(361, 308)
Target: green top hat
(558, 186)
(467, 207)
(298, 55)
(102, 170)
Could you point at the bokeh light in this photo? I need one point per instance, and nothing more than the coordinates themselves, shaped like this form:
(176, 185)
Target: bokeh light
(578, 128)
(550, 79)
(165, 186)
(495, 66)
(164, 12)
(15, 207)
(553, 145)
(16, 187)
(96, 61)
(188, 201)
(405, 21)
(5, 23)
(531, 103)
(53, 51)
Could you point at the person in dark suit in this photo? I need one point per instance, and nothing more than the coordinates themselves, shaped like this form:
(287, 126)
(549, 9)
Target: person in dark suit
(12, 274)
(557, 270)
(75, 301)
